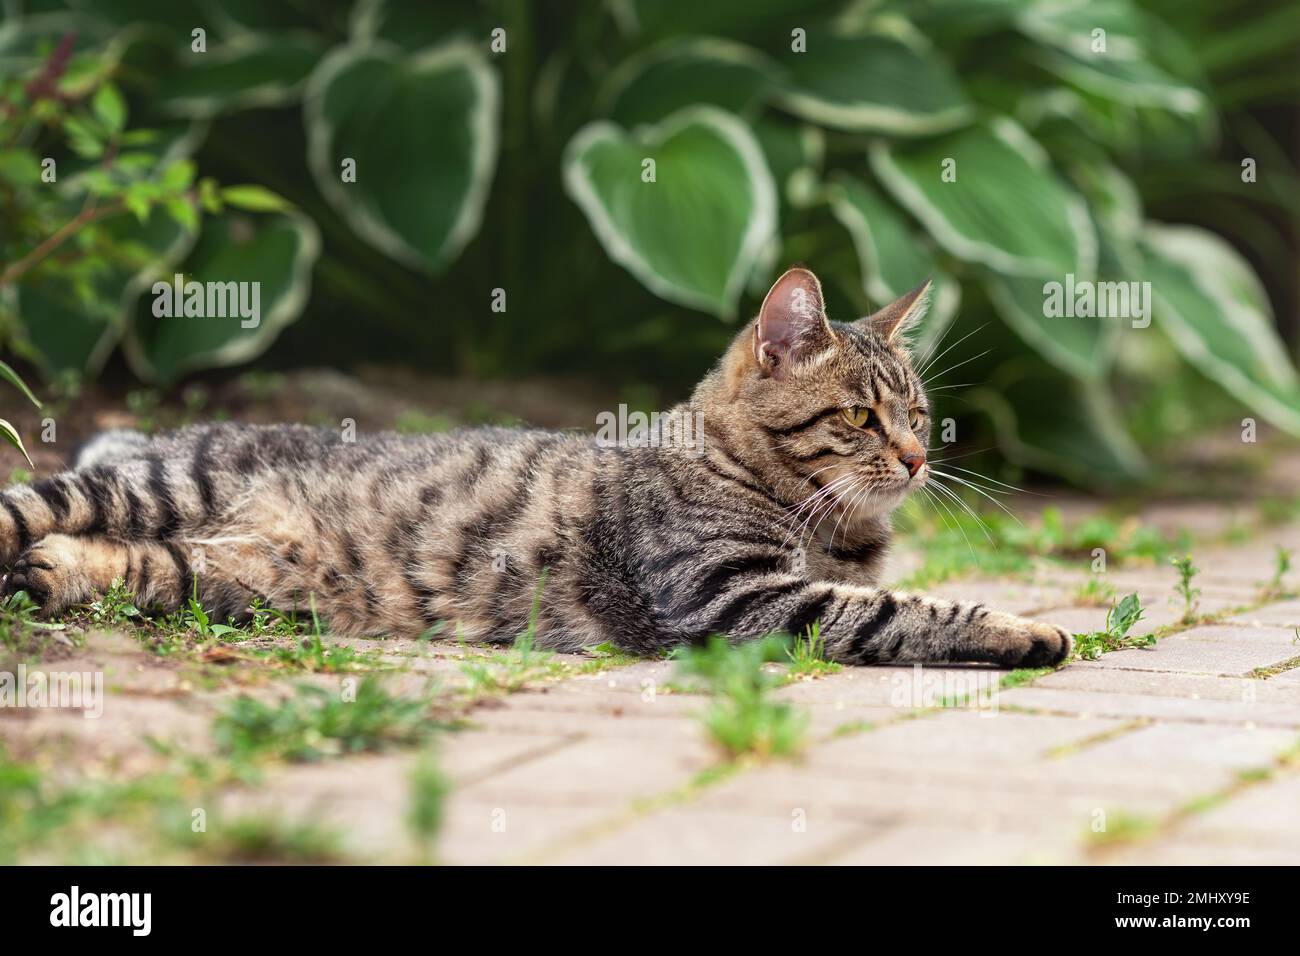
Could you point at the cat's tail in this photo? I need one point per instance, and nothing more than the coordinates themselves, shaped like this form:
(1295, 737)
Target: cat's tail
(117, 444)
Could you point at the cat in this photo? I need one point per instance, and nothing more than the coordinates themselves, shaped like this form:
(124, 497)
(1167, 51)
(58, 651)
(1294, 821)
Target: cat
(814, 432)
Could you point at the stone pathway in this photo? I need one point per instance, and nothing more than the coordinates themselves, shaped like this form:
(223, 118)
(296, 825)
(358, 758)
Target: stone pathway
(1183, 752)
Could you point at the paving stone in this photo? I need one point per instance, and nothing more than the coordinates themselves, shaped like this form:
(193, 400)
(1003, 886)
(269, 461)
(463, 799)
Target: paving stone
(1235, 634)
(596, 772)
(1267, 813)
(363, 799)
(523, 720)
(1147, 706)
(1181, 852)
(902, 688)
(1283, 614)
(1182, 746)
(476, 833)
(1076, 620)
(470, 755)
(1014, 597)
(1198, 657)
(1086, 677)
(963, 738)
(595, 702)
(689, 836)
(912, 844)
(1043, 800)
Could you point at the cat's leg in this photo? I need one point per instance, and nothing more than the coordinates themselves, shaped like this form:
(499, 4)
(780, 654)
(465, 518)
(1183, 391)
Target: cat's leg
(864, 625)
(62, 570)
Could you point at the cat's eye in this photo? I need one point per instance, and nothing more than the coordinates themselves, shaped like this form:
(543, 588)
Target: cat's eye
(857, 417)
(917, 418)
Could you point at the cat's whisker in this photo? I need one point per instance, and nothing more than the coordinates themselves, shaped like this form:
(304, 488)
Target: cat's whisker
(978, 490)
(821, 492)
(957, 521)
(951, 368)
(929, 353)
(822, 497)
(929, 363)
(818, 472)
(1015, 488)
(956, 498)
(966, 454)
(863, 496)
(824, 507)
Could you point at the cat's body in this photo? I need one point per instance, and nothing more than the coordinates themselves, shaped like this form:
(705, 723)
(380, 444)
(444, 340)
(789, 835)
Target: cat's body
(781, 521)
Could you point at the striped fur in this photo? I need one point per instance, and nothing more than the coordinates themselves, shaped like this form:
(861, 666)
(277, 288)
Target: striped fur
(645, 547)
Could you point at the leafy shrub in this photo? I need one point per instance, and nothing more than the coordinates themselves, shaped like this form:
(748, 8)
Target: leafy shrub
(500, 146)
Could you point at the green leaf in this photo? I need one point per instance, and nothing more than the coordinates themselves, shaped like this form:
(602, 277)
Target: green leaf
(83, 139)
(1211, 304)
(183, 212)
(275, 250)
(892, 259)
(408, 24)
(110, 108)
(794, 153)
(19, 167)
(420, 186)
(1077, 435)
(687, 72)
(1079, 345)
(1122, 616)
(1123, 70)
(247, 72)
(12, 377)
(10, 434)
(887, 82)
(75, 334)
(252, 198)
(694, 234)
(1006, 208)
(178, 176)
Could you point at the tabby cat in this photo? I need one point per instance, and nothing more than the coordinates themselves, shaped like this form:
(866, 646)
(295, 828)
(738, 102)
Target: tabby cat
(814, 431)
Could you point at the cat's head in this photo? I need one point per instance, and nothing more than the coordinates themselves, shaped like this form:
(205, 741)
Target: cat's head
(815, 404)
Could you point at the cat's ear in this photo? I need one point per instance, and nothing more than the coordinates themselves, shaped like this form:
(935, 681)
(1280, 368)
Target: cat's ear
(901, 314)
(792, 323)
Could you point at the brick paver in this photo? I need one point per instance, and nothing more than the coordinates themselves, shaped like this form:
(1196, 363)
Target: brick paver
(903, 765)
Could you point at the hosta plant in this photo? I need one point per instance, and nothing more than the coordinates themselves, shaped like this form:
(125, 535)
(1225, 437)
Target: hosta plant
(632, 173)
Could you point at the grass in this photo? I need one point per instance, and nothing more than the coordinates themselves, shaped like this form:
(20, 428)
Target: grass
(1276, 588)
(996, 544)
(116, 608)
(1186, 572)
(507, 672)
(1121, 828)
(424, 816)
(1119, 621)
(1095, 593)
(259, 839)
(315, 723)
(1023, 676)
(807, 656)
(742, 719)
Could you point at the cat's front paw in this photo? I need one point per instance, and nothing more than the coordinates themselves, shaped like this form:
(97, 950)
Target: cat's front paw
(1010, 641)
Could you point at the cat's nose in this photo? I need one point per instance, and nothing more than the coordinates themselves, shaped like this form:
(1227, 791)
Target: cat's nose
(913, 463)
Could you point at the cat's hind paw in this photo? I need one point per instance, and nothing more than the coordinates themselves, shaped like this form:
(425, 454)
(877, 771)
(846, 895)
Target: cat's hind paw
(48, 572)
